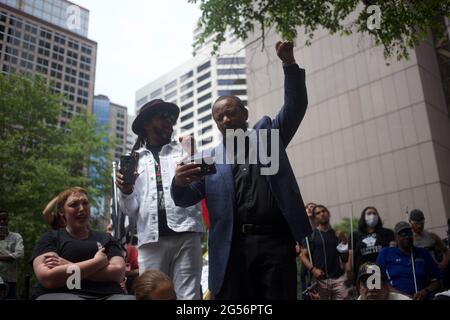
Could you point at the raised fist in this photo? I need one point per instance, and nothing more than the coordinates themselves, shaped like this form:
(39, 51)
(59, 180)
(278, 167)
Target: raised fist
(285, 51)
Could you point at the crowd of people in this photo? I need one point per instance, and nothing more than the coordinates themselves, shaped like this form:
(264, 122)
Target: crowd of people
(258, 224)
(375, 262)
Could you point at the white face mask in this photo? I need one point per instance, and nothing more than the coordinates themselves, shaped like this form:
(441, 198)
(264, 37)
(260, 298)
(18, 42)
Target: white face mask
(371, 220)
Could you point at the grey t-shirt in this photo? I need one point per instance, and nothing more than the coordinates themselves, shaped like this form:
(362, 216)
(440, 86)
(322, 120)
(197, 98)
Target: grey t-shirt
(11, 246)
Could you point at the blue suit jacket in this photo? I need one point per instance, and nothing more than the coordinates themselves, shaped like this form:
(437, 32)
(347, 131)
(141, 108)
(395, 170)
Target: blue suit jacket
(219, 192)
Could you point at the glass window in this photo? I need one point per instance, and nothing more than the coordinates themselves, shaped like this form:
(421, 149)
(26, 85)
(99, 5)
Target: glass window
(204, 87)
(170, 85)
(156, 93)
(186, 96)
(188, 126)
(230, 71)
(204, 66)
(141, 101)
(187, 117)
(203, 77)
(41, 69)
(204, 98)
(205, 130)
(186, 86)
(206, 118)
(3, 16)
(170, 95)
(226, 82)
(203, 109)
(232, 92)
(231, 60)
(186, 76)
(86, 50)
(187, 106)
(206, 141)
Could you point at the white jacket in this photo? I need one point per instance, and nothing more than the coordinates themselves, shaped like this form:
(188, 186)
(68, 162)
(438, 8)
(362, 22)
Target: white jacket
(142, 204)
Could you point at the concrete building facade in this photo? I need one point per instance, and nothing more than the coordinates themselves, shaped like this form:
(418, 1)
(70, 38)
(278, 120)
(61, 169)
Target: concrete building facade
(374, 134)
(34, 39)
(131, 137)
(114, 117)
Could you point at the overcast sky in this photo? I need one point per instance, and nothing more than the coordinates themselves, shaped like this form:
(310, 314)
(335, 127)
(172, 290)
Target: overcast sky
(138, 41)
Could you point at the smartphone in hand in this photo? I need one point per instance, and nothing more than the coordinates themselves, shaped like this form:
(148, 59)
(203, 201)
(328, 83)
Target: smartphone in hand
(128, 166)
(207, 169)
(206, 164)
(109, 244)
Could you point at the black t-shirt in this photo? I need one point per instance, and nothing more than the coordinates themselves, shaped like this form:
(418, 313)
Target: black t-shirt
(369, 245)
(323, 248)
(74, 250)
(447, 270)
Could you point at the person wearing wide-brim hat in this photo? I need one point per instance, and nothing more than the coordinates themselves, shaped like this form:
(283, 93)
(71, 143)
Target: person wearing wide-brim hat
(151, 109)
(168, 236)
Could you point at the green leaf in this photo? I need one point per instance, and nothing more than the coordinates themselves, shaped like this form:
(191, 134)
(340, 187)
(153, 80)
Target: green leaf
(39, 159)
(404, 24)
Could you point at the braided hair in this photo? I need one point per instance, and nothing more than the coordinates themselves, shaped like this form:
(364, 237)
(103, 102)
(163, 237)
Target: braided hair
(141, 141)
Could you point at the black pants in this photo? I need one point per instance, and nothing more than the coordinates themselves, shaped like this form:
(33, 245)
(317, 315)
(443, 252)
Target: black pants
(261, 267)
(12, 291)
(447, 277)
(305, 282)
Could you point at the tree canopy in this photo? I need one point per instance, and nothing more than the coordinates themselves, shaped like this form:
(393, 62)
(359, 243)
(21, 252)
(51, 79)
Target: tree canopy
(403, 23)
(39, 159)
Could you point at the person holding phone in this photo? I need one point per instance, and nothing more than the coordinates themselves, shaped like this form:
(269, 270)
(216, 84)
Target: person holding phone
(169, 236)
(255, 219)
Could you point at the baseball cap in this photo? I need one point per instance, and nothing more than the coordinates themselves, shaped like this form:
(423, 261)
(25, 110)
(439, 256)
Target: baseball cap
(402, 225)
(368, 269)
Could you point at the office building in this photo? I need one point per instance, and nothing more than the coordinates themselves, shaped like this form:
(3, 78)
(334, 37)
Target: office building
(375, 134)
(115, 118)
(38, 37)
(131, 137)
(194, 86)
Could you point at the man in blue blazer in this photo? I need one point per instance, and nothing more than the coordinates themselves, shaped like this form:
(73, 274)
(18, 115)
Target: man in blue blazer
(256, 215)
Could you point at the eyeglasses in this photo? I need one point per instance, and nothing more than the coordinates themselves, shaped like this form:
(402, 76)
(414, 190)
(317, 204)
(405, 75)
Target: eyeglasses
(405, 233)
(166, 115)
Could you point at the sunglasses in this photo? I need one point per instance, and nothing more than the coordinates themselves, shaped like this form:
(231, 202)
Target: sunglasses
(405, 233)
(166, 115)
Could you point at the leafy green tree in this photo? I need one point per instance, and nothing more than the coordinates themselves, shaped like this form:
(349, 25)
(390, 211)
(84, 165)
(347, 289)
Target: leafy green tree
(39, 159)
(345, 226)
(403, 23)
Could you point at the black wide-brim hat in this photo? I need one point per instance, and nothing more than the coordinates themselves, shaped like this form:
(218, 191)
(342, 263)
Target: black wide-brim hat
(149, 109)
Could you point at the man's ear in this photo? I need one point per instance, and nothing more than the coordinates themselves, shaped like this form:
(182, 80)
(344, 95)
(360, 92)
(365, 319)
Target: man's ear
(245, 113)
